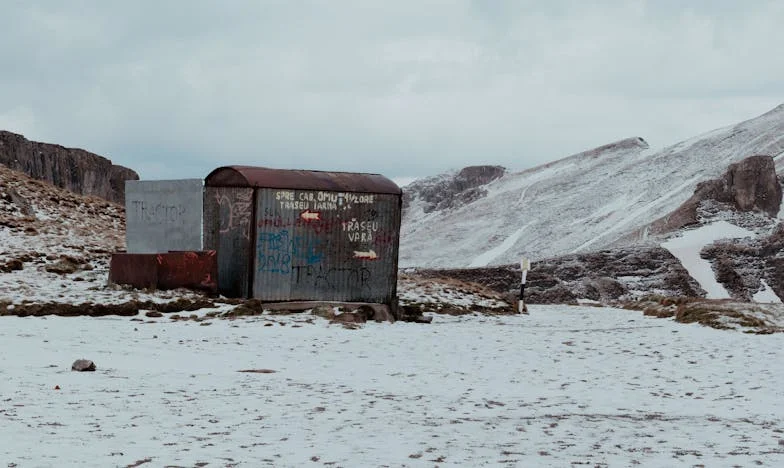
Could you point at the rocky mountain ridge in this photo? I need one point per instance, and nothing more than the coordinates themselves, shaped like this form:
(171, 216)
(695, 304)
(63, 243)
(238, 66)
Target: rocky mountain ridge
(746, 195)
(606, 197)
(73, 169)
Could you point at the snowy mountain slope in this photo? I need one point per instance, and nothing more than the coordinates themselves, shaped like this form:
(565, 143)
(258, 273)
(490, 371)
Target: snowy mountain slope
(585, 202)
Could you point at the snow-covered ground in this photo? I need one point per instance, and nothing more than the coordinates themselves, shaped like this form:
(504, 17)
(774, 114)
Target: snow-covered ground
(563, 386)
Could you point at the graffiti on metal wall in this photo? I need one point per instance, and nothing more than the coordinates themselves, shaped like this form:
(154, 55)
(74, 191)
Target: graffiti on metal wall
(302, 258)
(312, 208)
(332, 277)
(321, 201)
(360, 231)
(235, 214)
(319, 239)
(278, 250)
(318, 225)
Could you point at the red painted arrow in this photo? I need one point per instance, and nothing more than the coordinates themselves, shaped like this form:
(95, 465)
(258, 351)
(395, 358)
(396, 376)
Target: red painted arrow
(308, 215)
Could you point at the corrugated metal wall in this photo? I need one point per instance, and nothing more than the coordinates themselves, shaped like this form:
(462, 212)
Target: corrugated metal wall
(322, 245)
(228, 228)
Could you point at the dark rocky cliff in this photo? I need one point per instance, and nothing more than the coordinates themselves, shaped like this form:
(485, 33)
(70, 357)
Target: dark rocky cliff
(441, 193)
(73, 169)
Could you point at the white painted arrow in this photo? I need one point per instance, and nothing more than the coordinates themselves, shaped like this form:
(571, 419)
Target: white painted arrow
(369, 255)
(308, 215)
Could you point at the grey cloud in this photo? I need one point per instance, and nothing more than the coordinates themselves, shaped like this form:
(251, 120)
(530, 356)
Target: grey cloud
(406, 88)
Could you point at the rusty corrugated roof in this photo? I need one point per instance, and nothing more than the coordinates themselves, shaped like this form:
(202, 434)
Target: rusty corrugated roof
(264, 177)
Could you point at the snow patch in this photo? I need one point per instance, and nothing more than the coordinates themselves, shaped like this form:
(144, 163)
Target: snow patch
(687, 247)
(767, 294)
(487, 257)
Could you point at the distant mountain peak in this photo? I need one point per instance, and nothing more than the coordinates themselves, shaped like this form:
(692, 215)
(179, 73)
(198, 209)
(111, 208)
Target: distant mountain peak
(776, 110)
(625, 144)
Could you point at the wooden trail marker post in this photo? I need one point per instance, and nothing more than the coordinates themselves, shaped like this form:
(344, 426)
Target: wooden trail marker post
(525, 265)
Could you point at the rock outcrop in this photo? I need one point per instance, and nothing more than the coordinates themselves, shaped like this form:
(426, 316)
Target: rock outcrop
(748, 185)
(742, 266)
(445, 193)
(75, 170)
(604, 276)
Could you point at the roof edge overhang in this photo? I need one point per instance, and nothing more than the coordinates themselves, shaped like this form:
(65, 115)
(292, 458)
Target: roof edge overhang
(264, 177)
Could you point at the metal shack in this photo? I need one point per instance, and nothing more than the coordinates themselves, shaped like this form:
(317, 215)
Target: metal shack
(296, 235)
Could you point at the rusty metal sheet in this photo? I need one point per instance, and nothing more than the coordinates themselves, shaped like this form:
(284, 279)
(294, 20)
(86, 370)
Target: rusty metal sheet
(228, 223)
(326, 245)
(263, 177)
(171, 270)
(192, 270)
(137, 270)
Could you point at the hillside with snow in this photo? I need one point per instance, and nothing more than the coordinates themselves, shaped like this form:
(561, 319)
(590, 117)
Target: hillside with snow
(597, 199)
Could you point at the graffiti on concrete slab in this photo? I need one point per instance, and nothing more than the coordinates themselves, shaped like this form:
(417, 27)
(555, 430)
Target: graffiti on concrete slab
(157, 213)
(163, 215)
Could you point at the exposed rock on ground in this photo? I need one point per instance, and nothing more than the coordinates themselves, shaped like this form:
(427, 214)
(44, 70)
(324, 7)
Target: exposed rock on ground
(349, 317)
(83, 365)
(66, 264)
(599, 276)
(129, 308)
(422, 292)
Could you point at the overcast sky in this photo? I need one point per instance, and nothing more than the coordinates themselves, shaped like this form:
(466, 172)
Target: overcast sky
(406, 88)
